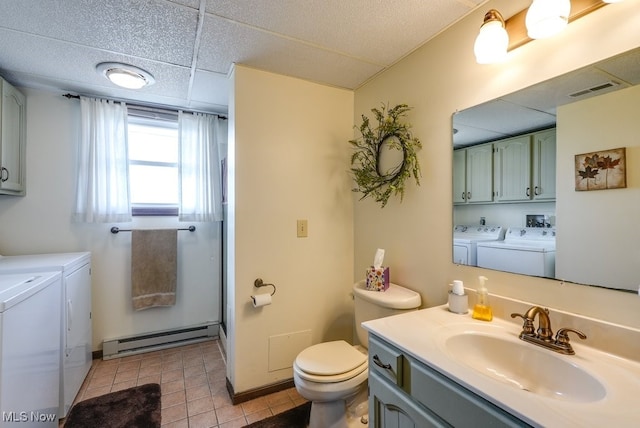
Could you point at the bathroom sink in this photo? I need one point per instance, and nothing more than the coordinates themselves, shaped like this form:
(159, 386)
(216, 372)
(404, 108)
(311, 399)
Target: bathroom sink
(525, 366)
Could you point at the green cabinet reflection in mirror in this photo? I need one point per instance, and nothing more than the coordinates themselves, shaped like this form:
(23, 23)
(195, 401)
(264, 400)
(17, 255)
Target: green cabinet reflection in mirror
(516, 169)
(472, 175)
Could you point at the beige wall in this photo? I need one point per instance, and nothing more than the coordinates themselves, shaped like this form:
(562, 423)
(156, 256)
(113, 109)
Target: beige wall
(602, 225)
(289, 157)
(438, 79)
(40, 222)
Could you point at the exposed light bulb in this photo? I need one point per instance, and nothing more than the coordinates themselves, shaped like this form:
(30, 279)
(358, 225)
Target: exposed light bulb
(492, 42)
(546, 18)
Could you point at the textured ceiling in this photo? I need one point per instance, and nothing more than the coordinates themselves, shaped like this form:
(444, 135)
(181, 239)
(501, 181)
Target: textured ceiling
(189, 46)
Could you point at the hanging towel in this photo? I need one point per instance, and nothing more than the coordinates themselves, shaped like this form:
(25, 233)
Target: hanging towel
(153, 267)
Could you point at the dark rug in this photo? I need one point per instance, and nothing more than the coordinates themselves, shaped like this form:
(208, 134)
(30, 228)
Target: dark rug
(137, 407)
(298, 417)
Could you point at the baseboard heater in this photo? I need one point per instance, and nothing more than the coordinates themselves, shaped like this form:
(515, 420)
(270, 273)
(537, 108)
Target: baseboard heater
(116, 348)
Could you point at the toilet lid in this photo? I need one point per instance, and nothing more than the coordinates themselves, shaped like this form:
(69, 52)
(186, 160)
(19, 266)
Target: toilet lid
(330, 358)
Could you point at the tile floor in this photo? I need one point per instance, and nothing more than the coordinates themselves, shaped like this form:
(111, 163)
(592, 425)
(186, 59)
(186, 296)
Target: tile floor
(192, 379)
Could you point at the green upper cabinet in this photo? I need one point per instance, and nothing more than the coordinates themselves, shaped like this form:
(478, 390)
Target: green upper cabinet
(544, 165)
(512, 169)
(459, 176)
(518, 169)
(12, 140)
(472, 174)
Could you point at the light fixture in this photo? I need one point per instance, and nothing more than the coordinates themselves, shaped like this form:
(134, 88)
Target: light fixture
(546, 18)
(492, 41)
(125, 75)
(520, 30)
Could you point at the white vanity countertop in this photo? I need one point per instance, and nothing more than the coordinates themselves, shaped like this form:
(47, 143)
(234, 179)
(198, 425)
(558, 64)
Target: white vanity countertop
(422, 335)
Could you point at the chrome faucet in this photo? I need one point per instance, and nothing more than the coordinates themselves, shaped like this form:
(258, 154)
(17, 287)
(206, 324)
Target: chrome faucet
(543, 336)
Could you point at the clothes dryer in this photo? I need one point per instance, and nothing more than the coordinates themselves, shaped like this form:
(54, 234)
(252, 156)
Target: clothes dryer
(525, 250)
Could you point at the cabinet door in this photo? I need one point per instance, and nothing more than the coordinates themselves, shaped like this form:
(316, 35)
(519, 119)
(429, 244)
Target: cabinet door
(512, 168)
(12, 153)
(479, 178)
(459, 176)
(544, 165)
(390, 408)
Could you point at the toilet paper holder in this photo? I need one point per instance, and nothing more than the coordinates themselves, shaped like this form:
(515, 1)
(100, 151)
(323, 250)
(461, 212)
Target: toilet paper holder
(260, 283)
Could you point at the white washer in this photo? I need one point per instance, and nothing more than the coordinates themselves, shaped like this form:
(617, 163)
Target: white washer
(525, 250)
(30, 316)
(76, 336)
(466, 238)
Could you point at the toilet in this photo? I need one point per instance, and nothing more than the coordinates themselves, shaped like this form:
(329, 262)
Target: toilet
(333, 375)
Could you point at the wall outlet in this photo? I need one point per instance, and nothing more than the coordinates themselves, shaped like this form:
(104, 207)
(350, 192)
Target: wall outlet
(302, 229)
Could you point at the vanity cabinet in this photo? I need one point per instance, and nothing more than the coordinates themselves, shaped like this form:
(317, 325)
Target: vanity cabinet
(472, 174)
(12, 140)
(390, 408)
(404, 392)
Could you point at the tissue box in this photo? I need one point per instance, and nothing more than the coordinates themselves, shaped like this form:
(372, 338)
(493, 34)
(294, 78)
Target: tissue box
(377, 279)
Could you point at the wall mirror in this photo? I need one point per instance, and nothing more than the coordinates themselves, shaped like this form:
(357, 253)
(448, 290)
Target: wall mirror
(544, 128)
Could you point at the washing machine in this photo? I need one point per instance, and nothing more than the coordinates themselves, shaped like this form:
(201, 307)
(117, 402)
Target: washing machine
(30, 317)
(525, 250)
(466, 238)
(75, 326)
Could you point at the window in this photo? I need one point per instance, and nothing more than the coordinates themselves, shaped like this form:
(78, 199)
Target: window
(153, 164)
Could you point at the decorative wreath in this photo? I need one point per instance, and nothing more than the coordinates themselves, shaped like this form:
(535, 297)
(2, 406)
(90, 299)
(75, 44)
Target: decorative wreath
(365, 161)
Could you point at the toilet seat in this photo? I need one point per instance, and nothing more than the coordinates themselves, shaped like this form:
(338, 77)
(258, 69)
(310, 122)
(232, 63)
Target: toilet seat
(330, 362)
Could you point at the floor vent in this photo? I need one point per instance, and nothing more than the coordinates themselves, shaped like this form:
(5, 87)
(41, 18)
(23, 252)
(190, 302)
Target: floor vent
(116, 348)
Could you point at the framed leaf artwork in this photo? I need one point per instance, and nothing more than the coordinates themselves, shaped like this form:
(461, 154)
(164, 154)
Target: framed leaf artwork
(601, 170)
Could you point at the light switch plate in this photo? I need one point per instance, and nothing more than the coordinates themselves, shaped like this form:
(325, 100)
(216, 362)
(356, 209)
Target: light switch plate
(302, 229)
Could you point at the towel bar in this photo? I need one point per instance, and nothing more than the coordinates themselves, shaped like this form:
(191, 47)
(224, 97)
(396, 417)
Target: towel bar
(116, 229)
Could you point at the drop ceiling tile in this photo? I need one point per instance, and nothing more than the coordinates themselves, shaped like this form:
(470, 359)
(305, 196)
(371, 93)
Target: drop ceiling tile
(73, 67)
(148, 29)
(245, 45)
(377, 32)
(195, 4)
(625, 67)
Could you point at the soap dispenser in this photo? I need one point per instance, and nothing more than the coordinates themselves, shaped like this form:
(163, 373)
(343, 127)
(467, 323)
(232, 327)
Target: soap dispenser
(458, 299)
(482, 309)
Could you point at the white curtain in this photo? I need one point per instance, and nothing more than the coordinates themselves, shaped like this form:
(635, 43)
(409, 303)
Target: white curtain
(102, 193)
(200, 136)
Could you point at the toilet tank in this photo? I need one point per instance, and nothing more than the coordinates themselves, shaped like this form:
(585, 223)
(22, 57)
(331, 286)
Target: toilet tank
(370, 305)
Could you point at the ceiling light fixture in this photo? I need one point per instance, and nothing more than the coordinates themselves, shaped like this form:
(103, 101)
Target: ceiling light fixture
(125, 75)
(492, 41)
(546, 18)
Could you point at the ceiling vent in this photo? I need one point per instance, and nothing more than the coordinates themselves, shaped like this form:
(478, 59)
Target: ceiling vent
(596, 88)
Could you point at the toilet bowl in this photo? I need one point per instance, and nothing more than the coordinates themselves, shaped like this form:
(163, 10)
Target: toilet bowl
(333, 375)
(330, 375)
